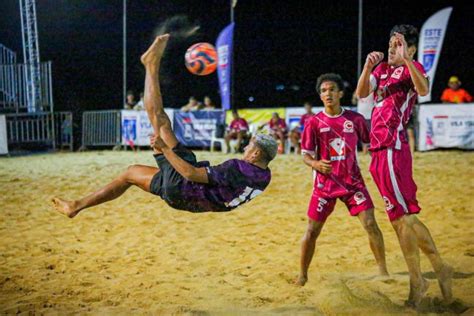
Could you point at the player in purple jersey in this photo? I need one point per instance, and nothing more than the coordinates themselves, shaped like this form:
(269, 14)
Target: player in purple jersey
(329, 147)
(395, 85)
(180, 180)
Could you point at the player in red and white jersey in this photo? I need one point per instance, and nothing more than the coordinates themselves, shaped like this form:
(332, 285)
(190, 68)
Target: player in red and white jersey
(329, 146)
(395, 86)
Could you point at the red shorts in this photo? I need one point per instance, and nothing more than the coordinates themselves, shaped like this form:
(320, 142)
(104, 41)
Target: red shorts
(356, 202)
(393, 175)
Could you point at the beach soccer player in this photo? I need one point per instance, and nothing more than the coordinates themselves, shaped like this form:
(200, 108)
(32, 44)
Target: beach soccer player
(180, 180)
(395, 86)
(329, 147)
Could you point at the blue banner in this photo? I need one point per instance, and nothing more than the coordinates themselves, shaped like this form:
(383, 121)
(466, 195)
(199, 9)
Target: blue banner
(195, 129)
(224, 64)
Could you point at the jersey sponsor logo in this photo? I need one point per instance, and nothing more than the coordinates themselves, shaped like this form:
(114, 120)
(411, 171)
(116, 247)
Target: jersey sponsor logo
(397, 73)
(380, 95)
(348, 127)
(383, 76)
(324, 129)
(388, 205)
(337, 149)
(359, 197)
(321, 204)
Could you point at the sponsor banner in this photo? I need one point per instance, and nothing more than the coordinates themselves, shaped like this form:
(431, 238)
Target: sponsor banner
(224, 65)
(430, 44)
(446, 126)
(256, 116)
(136, 127)
(196, 128)
(3, 135)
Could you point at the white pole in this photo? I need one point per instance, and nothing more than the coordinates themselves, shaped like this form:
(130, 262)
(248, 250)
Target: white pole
(124, 52)
(359, 41)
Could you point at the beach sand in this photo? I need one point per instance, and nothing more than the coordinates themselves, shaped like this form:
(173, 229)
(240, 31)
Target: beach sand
(137, 255)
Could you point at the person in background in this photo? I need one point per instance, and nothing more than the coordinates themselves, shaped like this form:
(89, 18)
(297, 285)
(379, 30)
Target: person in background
(278, 130)
(238, 129)
(364, 107)
(192, 105)
(208, 104)
(140, 104)
(295, 134)
(130, 100)
(454, 93)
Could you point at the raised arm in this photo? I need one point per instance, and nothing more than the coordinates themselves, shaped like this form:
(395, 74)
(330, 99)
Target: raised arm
(419, 80)
(188, 171)
(363, 85)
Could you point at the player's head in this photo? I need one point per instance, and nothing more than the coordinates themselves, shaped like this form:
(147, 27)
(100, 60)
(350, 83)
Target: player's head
(454, 82)
(330, 88)
(261, 148)
(411, 37)
(308, 107)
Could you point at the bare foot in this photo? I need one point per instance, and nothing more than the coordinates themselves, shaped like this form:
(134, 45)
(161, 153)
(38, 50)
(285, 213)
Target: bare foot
(154, 53)
(301, 280)
(383, 271)
(445, 276)
(64, 207)
(417, 294)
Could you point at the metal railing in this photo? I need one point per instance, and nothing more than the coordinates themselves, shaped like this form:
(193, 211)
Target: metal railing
(101, 128)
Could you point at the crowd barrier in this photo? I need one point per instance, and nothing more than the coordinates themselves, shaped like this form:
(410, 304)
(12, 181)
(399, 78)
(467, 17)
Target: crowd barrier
(196, 129)
(50, 129)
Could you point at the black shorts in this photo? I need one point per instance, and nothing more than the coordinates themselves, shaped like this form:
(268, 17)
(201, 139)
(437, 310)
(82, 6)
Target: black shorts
(167, 182)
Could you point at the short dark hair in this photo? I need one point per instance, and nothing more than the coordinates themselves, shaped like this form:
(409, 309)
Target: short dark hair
(329, 77)
(409, 31)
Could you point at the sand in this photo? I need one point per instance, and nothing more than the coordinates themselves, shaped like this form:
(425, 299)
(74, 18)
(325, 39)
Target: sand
(137, 255)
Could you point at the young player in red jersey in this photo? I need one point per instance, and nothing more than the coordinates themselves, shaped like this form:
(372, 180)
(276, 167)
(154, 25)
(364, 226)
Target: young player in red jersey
(329, 146)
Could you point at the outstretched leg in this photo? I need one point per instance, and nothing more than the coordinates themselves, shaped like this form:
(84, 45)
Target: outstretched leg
(377, 246)
(443, 271)
(152, 95)
(138, 175)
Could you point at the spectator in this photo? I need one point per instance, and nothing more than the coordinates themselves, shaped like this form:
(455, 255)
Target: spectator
(454, 93)
(364, 107)
(295, 134)
(208, 104)
(238, 129)
(278, 130)
(192, 105)
(140, 105)
(130, 101)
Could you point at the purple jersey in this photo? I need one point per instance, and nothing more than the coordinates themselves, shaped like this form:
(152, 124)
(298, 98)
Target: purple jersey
(231, 184)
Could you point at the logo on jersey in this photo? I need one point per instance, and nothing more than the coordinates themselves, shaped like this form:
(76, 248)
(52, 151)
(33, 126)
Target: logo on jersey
(321, 204)
(324, 129)
(348, 127)
(397, 73)
(359, 197)
(380, 95)
(337, 149)
(388, 205)
(383, 76)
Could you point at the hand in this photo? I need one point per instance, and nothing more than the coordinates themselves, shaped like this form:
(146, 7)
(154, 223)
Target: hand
(157, 142)
(402, 47)
(373, 59)
(323, 166)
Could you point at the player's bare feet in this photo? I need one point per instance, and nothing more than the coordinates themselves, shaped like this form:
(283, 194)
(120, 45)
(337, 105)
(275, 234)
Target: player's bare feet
(445, 276)
(417, 294)
(383, 271)
(301, 280)
(154, 53)
(65, 207)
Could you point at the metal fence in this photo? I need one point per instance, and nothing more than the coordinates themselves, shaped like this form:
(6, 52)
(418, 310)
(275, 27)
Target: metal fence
(101, 128)
(51, 129)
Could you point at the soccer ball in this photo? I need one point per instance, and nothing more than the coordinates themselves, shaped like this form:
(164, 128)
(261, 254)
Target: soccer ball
(201, 59)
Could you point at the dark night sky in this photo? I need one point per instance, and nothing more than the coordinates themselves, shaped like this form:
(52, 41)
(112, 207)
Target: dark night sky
(276, 42)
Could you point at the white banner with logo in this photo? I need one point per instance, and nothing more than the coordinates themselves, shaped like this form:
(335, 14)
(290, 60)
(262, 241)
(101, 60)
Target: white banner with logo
(430, 44)
(3, 135)
(446, 126)
(136, 127)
